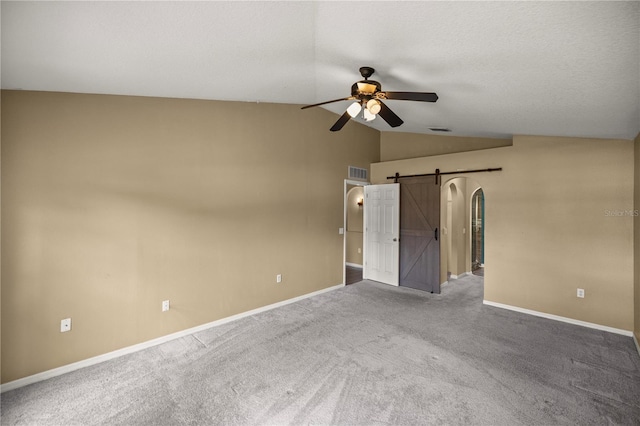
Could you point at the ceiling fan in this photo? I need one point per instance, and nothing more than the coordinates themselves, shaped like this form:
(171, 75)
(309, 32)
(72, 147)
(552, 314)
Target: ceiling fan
(368, 95)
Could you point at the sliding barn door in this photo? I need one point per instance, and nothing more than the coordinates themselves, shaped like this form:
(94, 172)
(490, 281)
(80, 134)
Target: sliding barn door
(420, 234)
(381, 232)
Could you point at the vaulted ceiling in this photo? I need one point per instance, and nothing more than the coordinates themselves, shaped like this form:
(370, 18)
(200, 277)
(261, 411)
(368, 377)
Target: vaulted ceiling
(499, 68)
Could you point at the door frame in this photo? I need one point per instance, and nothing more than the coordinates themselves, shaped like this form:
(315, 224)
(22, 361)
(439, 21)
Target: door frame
(344, 224)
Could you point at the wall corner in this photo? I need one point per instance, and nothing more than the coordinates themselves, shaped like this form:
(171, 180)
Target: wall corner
(636, 240)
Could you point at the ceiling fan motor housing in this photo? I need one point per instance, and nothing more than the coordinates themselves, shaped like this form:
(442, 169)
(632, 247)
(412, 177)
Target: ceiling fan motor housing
(365, 89)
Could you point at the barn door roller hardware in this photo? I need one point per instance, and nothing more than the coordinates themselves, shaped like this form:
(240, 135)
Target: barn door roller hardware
(438, 173)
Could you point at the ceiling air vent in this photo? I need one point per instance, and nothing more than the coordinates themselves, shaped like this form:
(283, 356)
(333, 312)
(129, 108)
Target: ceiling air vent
(358, 173)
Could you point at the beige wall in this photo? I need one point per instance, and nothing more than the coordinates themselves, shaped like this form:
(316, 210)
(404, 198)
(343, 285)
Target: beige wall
(636, 245)
(1, 221)
(354, 242)
(111, 204)
(547, 232)
(399, 146)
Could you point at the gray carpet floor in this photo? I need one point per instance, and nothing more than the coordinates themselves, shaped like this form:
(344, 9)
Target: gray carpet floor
(365, 354)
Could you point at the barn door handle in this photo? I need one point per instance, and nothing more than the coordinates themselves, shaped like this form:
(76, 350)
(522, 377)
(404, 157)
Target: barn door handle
(435, 234)
(395, 239)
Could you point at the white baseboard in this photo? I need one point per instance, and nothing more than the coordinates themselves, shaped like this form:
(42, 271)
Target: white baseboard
(456, 277)
(353, 265)
(150, 343)
(559, 318)
(464, 274)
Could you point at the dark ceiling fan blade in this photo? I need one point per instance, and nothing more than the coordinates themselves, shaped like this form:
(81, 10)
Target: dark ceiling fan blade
(328, 102)
(412, 96)
(341, 122)
(389, 116)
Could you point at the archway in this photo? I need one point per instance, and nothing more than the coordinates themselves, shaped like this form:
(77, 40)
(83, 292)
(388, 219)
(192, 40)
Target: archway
(354, 202)
(451, 230)
(477, 232)
(462, 228)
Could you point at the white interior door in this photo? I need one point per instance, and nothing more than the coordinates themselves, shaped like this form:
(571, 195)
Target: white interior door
(381, 233)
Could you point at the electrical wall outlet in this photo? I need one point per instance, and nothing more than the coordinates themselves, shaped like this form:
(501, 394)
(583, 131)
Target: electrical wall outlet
(65, 325)
(580, 293)
(359, 250)
(279, 278)
(165, 306)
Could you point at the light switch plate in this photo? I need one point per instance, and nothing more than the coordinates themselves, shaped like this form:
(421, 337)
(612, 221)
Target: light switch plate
(65, 325)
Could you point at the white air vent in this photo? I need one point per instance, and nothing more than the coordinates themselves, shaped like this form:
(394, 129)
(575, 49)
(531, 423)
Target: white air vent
(358, 173)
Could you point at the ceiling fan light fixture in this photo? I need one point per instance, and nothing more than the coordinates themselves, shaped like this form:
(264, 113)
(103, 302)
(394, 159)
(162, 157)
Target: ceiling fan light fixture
(374, 106)
(354, 109)
(368, 116)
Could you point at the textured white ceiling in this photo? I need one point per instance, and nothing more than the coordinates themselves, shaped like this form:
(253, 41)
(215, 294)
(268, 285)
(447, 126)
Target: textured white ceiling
(500, 68)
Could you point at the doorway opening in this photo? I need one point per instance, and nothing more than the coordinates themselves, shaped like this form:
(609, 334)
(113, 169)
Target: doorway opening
(353, 231)
(462, 228)
(477, 232)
